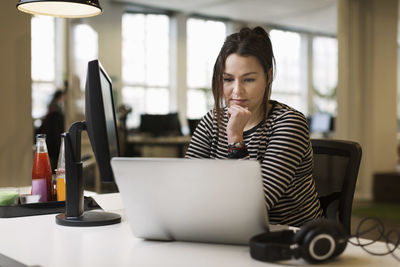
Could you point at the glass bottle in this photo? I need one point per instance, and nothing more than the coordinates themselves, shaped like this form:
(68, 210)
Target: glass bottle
(60, 172)
(42, 183)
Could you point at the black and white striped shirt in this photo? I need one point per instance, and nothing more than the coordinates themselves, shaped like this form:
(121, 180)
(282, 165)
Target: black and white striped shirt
(282, 145)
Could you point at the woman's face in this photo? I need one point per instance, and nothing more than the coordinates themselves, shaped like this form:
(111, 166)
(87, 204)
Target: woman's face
(244, 82)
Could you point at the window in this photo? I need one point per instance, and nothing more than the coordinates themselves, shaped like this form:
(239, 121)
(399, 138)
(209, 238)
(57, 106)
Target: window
(43, 65)
(145, 65)
(325, 72)
(85, 49)
(288, 86)
(204, 40)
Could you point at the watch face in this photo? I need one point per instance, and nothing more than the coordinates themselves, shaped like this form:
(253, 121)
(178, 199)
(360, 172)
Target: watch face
(237, 144)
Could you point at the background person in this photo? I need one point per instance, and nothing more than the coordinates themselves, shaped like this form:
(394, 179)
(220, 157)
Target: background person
(53, 126)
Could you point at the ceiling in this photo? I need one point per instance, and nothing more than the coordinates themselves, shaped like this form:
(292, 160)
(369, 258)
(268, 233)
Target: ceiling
(305, 15)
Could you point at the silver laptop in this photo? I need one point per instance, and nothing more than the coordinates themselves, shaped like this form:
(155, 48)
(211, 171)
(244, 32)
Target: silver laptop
(202, 200)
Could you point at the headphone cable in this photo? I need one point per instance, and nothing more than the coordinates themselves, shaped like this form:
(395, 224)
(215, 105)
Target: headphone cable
(378, 225)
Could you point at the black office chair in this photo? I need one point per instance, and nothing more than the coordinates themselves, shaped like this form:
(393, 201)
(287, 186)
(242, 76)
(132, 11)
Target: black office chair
(192, 125)
(336, 165)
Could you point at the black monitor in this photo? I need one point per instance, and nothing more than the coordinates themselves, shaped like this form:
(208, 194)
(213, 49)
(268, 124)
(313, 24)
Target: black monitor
(160, 124)
(321, 122)
(100, 119)
(100, 124)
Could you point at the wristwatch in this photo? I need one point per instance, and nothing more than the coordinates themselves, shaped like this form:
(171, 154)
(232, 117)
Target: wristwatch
(237, 145)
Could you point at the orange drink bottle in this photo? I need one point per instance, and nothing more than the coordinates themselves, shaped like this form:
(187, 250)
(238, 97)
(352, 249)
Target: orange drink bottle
(42, 183)
(60, 184)
(60, 172)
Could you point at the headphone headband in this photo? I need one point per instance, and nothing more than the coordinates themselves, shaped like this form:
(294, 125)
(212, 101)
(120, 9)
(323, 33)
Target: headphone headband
(272, 246)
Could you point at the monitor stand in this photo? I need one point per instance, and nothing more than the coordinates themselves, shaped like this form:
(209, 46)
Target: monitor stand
(74, 204)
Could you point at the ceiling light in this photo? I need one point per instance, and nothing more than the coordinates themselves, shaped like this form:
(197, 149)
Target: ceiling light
(61, 8)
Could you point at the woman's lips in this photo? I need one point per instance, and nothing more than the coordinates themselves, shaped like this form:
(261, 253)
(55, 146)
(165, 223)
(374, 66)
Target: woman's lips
(239, 102)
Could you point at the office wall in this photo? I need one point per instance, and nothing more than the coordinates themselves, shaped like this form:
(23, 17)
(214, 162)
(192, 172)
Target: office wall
(15, 97)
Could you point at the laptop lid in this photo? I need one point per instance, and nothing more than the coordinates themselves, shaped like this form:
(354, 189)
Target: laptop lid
(202, 200)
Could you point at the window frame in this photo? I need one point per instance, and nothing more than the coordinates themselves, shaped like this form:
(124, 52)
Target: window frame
(38, 82)
(205, 90)
(126, 85)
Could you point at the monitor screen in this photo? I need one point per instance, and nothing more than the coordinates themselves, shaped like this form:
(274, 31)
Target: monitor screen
(321, 123)
(100, 118)
(160, 124)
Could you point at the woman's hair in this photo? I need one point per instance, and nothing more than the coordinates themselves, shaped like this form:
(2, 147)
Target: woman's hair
(247, 42)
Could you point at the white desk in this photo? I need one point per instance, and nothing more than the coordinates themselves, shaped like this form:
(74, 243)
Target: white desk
(39, 241)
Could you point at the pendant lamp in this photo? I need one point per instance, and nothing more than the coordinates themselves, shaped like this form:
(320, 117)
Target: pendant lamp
(61, 8)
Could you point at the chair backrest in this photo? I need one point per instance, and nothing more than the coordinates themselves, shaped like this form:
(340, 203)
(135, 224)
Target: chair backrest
(336, 165)
(192, 125)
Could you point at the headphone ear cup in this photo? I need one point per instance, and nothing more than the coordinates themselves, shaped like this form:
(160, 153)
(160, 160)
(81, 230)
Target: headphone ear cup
(321, 240)
(300, 234)
(341, 238)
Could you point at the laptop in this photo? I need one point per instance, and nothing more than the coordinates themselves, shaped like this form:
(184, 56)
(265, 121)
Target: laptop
(200, 200)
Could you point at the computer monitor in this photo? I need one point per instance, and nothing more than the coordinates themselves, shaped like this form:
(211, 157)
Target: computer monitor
(100, 124)
(100, 118)
(321, 122)
(160, 124)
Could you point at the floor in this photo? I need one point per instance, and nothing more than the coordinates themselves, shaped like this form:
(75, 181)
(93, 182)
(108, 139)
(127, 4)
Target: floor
(387, 213)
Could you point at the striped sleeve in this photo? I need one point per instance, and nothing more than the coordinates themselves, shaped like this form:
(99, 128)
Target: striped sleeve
(285, 150)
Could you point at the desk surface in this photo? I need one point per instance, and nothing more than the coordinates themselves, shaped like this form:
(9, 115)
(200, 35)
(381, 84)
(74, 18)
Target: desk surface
(159, 140)
(39, 241)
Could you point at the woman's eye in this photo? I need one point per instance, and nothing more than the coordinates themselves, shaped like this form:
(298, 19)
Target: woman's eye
(249, 80)
(228, 79)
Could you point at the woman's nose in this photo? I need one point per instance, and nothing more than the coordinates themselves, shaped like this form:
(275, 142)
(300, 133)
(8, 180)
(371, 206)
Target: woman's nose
(237, 88)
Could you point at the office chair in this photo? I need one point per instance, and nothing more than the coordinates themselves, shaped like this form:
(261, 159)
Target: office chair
(192, 125)
(336, 165)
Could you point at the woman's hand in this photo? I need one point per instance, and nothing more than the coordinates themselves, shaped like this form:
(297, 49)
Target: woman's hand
(238, 117)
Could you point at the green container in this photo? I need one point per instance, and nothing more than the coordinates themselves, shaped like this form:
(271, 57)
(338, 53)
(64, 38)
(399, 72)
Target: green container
(9, 196)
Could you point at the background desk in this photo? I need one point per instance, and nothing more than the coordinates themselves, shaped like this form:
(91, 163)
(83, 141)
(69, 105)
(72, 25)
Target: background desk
(39, 241)
(162, 146)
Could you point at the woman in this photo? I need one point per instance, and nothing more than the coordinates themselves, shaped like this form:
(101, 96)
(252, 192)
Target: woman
(251, 126)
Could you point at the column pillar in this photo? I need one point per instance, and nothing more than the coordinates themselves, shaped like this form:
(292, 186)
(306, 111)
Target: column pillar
(178, 93)
(16, 134)
(367, 93)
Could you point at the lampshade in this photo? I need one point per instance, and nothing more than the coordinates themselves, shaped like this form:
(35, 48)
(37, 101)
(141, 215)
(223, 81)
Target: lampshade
(61, 8)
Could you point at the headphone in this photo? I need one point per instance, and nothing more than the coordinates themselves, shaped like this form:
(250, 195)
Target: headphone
(316, 242)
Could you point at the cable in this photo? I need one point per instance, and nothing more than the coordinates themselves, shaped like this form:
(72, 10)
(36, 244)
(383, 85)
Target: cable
(379, 227)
